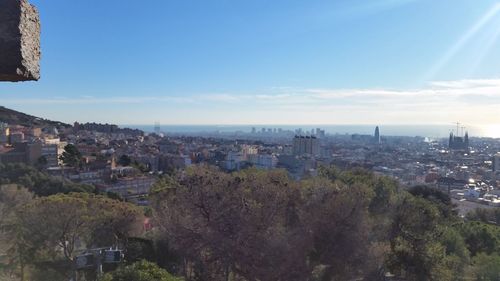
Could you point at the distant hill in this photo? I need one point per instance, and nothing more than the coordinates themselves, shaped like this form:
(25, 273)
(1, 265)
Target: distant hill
(13, 117)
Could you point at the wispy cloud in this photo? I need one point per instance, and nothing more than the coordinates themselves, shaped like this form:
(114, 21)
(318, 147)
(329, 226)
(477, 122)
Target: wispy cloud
(473, 101)
(446, 91)
(85, 100)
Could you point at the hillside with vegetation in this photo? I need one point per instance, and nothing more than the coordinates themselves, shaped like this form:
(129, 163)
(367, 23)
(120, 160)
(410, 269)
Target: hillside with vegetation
(14, 117)
(249, 225)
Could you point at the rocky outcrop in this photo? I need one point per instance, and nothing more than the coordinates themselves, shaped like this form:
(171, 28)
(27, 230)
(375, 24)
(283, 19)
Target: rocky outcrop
(19, 41)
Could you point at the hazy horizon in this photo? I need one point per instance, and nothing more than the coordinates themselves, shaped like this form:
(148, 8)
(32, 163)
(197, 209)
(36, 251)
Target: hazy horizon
(432, 131)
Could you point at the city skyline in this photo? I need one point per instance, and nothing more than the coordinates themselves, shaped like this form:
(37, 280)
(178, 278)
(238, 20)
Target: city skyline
(320, 62)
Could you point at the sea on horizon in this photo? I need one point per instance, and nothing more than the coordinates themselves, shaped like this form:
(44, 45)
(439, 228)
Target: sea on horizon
(432, 131)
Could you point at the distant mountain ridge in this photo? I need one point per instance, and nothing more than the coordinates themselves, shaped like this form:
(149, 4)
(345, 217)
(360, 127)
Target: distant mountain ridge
(13, 117)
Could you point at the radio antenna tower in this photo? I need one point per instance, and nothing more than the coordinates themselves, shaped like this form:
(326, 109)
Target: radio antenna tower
(157, 128)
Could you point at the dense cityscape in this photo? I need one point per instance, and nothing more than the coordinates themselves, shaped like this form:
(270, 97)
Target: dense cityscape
(128, 161)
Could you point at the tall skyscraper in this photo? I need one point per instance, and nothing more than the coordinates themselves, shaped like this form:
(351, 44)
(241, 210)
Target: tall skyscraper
(377, 136)
(496, 163)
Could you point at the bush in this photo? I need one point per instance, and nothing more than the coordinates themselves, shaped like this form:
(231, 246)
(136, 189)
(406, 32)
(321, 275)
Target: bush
(140, 271)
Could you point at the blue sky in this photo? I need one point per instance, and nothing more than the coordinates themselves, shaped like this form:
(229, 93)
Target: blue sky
(266, 62)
